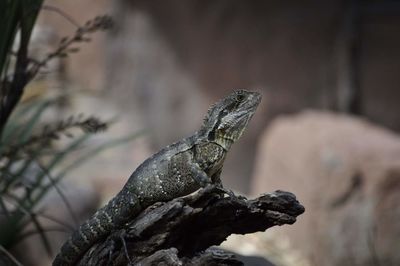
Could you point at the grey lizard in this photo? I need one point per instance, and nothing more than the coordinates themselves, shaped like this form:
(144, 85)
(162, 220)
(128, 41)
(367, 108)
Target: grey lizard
(175, 171)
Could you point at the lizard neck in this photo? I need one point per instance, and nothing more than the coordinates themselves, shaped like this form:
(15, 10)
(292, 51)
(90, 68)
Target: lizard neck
(210, 156)
(199, 138)
(225, 143)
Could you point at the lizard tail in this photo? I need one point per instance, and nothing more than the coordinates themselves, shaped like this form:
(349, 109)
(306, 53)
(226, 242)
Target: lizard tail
(115, 214)
(83, 238)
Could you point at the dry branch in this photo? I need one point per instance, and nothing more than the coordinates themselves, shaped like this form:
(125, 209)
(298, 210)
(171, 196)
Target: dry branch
(180, 232)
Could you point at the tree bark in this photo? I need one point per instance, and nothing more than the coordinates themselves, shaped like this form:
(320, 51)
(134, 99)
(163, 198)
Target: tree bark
(181, 231)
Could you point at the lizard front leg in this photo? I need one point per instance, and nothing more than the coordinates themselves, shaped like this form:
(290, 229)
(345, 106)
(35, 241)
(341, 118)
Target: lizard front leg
(204, 180)
(216, 179)
(200, 176)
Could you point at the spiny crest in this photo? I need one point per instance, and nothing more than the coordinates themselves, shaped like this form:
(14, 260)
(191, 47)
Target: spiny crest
(208, 115)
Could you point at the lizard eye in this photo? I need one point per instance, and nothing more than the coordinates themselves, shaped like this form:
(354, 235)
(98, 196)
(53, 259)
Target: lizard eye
(240, 97)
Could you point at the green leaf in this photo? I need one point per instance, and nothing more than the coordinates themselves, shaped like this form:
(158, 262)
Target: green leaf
(18, 130)
(15, 225)
(87, 156)
(21, 172)
(29, 126)
(42, 234)
(3, 208)
(92, 153)
(9, 20)
(60, 193)
(40, 191)
(16, 15)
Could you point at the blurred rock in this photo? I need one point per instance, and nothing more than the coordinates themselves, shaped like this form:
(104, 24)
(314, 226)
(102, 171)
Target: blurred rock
(264, 249)
(346, 171)
(166, 61)
(253, 260)
(146, 78)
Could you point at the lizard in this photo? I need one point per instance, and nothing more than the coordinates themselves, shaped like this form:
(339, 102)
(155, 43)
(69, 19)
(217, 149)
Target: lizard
(177, 170)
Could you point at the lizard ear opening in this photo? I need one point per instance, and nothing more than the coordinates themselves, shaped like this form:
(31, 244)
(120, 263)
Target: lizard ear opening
(211, 135)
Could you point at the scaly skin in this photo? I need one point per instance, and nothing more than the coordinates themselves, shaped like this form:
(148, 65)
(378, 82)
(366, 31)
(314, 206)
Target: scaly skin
(175, 171)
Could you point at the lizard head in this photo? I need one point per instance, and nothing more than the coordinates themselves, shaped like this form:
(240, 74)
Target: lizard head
(228, 118)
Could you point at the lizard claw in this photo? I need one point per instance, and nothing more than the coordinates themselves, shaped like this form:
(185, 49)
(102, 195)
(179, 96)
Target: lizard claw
(118, 237)
(122, 238)
(231, 194)
(110, 252)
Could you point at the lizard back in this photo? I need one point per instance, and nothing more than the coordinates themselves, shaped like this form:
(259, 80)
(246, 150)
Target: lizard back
(177, 170)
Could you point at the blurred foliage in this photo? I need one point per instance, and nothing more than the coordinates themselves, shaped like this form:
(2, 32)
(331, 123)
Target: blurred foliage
(16, 15)
(34, 156)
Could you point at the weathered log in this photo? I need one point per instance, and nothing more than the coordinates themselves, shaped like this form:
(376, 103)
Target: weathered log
(180, 232)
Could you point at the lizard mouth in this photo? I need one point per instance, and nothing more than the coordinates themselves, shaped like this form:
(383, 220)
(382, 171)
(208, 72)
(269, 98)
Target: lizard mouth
(227, 119)
(245, 110)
